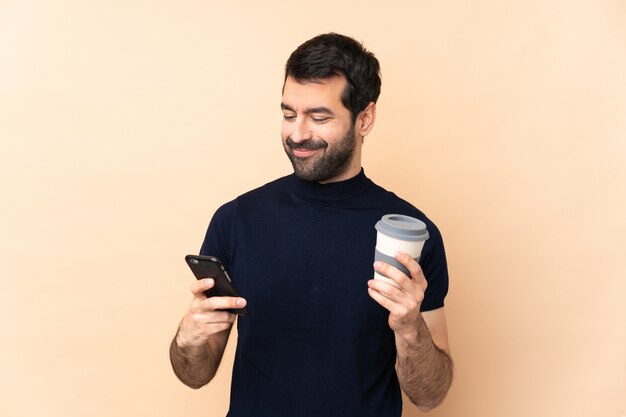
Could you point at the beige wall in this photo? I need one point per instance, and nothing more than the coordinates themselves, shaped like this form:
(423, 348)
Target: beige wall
(125, 124)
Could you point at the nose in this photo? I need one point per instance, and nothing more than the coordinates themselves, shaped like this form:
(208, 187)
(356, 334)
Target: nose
(300, 130)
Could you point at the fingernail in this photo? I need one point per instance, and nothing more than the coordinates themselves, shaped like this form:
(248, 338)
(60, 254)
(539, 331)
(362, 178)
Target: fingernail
(241, 302)
(377, 264)
(209, 281)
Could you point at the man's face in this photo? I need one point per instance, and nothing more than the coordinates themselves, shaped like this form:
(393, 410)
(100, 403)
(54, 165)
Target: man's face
(318, 133)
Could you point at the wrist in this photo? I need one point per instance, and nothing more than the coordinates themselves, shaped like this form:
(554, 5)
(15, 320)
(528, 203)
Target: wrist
(407, 335)
(414, 336)
(182, 338)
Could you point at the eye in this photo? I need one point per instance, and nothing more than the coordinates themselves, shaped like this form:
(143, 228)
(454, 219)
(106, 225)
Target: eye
(320, 119)
(289, 117)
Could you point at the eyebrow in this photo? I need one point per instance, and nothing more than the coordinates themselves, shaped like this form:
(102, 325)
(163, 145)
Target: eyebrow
(312, 110)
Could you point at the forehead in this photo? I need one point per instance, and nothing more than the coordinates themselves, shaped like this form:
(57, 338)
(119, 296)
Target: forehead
(326, 92)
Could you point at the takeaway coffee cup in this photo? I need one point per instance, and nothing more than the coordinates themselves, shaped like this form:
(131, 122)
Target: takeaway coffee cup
(397, 232)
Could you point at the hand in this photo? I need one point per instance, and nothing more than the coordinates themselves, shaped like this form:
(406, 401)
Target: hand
(404, 302)
(205, 316)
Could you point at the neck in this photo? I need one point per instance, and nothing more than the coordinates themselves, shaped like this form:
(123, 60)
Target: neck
(332, 191)
(346, 175)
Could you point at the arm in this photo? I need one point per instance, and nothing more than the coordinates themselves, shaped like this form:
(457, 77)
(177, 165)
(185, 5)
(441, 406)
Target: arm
(424, 365)
(197, 349)
(424, 368)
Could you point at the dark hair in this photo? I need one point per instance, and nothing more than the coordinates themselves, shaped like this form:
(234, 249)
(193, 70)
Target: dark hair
(332, 54)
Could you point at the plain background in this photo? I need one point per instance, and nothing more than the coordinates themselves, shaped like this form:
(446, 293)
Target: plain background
(125, 124)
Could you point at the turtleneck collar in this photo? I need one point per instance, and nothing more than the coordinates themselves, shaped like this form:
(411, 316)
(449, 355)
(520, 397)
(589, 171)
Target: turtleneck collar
(332, 191)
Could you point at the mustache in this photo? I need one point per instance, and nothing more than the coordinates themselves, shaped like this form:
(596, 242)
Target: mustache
(308, 144)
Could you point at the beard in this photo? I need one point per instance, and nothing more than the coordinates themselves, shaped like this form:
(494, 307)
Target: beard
(330, 164)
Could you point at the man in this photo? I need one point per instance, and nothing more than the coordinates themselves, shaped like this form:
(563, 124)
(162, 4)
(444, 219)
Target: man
(322, 338)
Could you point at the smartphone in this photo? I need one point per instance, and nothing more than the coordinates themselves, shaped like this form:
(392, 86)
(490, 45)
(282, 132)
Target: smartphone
(211, 267)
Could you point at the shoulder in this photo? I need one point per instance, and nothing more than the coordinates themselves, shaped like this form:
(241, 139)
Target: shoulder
(435, 239)
(392, 201)
(268, 190)
(254, 198)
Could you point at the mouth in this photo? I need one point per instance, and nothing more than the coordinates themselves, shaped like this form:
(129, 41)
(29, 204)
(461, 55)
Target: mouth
(304, 149)
(304, 153)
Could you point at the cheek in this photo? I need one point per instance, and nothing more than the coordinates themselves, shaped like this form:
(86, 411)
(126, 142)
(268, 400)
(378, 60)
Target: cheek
(331, 132)
(285, 130)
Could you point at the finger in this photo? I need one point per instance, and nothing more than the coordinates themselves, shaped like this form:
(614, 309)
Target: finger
(204, 331)
(213, 317)
(222, 303)
(385, 301)
(393, 274)
(415, 270)
(408, 300)
(201, 285)
(217, 327)
(386, 289)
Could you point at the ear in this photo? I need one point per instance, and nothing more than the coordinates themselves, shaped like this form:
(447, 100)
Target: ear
(365, 120)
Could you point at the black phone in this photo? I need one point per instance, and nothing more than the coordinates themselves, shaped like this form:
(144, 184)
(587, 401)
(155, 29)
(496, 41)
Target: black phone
(211, 267)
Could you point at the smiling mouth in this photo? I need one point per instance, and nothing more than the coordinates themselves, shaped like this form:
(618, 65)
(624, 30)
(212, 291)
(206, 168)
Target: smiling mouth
(304, 149)
(304, 153)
